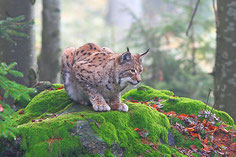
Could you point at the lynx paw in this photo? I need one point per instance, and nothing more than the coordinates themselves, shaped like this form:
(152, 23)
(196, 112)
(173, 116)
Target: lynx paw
(121, 107)
(101, 107)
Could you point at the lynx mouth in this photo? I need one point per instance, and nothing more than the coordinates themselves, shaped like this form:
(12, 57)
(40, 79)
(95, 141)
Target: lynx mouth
(133, 83)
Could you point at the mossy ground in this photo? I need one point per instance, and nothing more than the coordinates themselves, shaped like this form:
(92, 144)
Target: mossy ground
(173, 103)
(51, 137)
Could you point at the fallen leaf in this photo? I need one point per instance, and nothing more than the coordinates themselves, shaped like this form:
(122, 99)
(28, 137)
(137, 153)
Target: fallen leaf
(1, 108)
(154, 106)
(190, 129)
(194, 148)
(205, 141)
(199, 137)
(171, 113)
(223, 147)
(222, 128)
(98, 125)
(233, 147)
(207, 148)
(194, 134)
(182, 116)
(60, 88)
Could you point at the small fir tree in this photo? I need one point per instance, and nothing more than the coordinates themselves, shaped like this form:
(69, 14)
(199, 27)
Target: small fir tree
(14, 90)
(8, 28)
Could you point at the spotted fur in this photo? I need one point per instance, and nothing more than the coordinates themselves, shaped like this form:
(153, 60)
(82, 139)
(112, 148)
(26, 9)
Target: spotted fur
(96, 75)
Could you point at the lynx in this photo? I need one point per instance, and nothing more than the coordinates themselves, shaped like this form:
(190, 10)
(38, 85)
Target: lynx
(98, 75)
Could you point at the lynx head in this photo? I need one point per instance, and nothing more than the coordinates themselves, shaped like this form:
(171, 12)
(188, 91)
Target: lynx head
(129, 68)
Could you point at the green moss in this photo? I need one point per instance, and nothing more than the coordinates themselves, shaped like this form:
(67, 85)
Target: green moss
(51, 137)
(44, 103)
(177, 104)
(55, 86)
(164, 149)
(145, 93)
(114, 126)
(182, 141)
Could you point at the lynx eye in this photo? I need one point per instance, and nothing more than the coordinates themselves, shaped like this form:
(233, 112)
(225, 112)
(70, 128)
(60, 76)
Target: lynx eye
(133, 71)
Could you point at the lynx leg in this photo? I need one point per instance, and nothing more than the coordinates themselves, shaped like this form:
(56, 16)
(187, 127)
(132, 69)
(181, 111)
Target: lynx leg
(98, 102)
(116, 104)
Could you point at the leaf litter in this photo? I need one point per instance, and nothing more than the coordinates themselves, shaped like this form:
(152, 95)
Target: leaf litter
(217, 138)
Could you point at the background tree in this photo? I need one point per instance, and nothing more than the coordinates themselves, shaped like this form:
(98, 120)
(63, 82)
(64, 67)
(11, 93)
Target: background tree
(49, 57)
(24, 51)
(225, 64)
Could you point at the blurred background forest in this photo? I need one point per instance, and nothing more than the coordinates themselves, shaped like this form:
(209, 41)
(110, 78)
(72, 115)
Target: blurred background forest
(177, 62)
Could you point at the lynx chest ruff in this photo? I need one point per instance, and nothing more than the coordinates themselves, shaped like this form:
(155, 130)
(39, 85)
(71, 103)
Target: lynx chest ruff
(96, 75)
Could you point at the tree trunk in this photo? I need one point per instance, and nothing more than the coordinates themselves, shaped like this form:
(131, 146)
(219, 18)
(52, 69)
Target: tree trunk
(24, 52)
(225, 64)
(49, 57)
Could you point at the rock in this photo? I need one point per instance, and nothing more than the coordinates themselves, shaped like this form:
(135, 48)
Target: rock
(76, 108)
(90, 141)
(42, 85)
(10, 148)
(70, 129)
(116, 150)
(171, 139)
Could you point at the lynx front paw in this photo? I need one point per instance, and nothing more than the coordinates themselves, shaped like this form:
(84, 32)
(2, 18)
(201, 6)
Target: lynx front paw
(121, 107)
(101, 107)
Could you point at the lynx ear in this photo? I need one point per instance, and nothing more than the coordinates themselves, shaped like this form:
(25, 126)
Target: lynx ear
(125, 57)
(144, 54)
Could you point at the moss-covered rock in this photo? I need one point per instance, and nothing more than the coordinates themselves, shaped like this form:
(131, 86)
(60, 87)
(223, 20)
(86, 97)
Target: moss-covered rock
(173, 103)
(69, 129)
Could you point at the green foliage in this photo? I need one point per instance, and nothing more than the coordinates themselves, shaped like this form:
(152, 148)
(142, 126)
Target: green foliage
(12, 27)
(14, 90)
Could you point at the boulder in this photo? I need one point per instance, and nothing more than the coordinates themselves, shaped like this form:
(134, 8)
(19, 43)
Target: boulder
(53, 125)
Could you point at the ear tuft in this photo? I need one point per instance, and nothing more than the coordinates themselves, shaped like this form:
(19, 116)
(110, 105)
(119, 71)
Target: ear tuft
(127, 49)
(145, 53)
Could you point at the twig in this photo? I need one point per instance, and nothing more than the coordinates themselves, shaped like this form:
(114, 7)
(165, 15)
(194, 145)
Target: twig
(191, 21)
(216, 13)
(207, 98)
(215, 101)
(205, 109)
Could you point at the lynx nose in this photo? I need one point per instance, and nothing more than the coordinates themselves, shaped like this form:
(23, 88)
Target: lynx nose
(139, 79)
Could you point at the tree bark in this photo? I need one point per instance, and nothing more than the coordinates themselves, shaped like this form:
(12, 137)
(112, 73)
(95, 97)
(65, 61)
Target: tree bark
(225, 64)
(24, 51)
(49, 57)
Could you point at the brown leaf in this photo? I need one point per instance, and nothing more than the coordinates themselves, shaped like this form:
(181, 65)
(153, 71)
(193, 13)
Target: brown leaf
(98, 125)
(233, 147)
